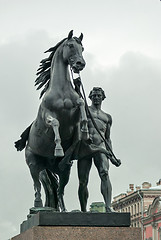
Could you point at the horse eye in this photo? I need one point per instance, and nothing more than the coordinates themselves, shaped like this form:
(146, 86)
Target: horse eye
(71, 45)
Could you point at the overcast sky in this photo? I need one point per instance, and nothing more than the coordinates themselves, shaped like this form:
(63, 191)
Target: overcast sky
(123, 55)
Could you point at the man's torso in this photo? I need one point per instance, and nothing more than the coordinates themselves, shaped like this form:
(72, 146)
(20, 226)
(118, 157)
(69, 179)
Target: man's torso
(102, 120)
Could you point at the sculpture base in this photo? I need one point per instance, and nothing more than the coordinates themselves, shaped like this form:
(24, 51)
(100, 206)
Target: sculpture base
(44, 223)
(80, 233)
(47, 217)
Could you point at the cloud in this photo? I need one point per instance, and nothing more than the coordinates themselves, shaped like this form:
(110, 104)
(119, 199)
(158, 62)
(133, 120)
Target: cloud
(133, 96)
(19, 103)
(133, 90)
(4, 226)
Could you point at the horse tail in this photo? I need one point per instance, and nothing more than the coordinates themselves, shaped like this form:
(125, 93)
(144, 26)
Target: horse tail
(50, 183)
(21, 143)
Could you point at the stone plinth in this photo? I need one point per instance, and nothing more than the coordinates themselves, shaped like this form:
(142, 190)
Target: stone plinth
(49, 218)
(79, 233)
(45, 224)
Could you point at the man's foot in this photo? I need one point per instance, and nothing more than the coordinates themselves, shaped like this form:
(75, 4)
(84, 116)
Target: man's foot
(109, 210)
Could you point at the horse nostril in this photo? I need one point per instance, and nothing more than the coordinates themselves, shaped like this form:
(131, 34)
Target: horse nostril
(79, 63)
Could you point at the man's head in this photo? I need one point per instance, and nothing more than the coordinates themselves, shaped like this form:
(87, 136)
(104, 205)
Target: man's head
(97, 95)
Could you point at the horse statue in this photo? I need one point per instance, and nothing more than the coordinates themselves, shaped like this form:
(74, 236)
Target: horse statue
(61, 119)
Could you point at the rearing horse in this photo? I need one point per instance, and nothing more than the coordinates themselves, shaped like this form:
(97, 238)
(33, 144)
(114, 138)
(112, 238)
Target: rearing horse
(60, 115)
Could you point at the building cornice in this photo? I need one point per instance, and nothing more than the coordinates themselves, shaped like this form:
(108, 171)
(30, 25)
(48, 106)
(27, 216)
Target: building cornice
(134, 196)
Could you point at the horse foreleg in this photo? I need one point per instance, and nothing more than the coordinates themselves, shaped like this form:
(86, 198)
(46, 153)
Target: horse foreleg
(84, 120)
(54, 123)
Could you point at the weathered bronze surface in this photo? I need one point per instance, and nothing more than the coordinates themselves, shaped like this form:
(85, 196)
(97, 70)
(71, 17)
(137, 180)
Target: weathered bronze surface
(101, 161)
(65, 130)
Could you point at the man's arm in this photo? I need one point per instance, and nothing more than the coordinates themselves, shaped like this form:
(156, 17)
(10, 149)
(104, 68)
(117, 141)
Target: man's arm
(113, 159)
(108, 130)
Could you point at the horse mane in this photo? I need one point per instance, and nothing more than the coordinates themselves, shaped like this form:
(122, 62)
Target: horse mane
(43, 71)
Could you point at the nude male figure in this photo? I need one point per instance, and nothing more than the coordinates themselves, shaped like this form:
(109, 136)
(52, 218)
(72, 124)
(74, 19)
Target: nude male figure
(104, 122)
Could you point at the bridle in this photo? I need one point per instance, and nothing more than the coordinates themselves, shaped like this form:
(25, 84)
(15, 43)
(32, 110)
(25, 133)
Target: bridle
(79, 86)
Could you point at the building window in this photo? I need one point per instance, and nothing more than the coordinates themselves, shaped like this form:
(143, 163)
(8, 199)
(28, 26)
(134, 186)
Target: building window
(131, 210)
(138, 208)
(159, 230)
(135, 210)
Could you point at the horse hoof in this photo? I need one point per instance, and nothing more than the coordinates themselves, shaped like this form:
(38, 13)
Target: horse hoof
(38, 203)
(59, 152)
(109, 210)
(64, 210)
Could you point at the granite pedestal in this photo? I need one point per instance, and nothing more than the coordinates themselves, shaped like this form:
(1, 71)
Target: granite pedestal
(80, 233)
(48, 225)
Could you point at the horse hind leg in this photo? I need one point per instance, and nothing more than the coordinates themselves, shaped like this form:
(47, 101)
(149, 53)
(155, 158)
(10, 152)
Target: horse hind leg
(54, 123)
(31, 160)
(50, 184)
(37, 187)
(63, 180)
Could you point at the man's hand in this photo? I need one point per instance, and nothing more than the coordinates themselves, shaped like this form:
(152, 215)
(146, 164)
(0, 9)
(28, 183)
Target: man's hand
(116, 162)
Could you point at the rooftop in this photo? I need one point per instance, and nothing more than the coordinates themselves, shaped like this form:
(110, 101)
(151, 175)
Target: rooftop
(146, 186)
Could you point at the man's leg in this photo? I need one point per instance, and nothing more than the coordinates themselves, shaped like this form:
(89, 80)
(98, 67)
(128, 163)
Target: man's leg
(102, 164)
(84, 166)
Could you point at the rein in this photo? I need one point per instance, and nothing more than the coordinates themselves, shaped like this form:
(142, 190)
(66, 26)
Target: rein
(114, 160)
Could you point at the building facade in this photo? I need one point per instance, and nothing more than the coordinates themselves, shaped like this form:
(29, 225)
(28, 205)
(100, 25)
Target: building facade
(137, 201)
(152, 221)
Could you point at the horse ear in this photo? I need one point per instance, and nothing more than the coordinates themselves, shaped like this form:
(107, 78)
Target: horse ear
(70, 34)
(81, 37)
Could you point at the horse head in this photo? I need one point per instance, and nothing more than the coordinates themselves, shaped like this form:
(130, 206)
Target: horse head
(70, 49)
(72, 52)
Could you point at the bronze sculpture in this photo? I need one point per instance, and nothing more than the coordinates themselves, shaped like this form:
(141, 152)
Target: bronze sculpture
(101, 161)
(58, 116)
(59, 134)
